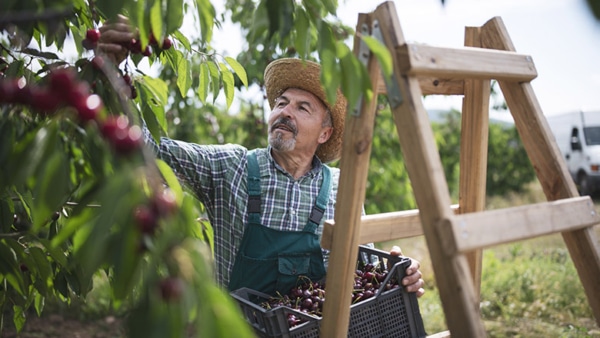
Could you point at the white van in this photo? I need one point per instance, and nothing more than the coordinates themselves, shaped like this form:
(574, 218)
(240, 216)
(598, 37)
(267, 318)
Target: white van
(578, 137)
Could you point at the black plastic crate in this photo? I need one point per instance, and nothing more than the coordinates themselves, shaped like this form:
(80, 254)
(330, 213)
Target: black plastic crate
(390, 313)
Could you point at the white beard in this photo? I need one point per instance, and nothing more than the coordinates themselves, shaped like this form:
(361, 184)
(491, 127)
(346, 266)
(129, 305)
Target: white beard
(278, 143)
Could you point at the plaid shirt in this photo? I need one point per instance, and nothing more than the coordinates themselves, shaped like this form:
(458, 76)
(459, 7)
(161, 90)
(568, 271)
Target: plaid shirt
(217, 174)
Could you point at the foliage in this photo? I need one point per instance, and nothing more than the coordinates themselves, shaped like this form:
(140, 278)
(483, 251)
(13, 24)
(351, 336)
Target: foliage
(78, 194)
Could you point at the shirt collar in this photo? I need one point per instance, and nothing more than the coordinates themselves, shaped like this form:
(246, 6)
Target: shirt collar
(316, 165)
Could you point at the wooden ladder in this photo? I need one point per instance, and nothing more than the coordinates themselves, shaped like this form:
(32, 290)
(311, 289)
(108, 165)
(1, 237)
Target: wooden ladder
(455, 236)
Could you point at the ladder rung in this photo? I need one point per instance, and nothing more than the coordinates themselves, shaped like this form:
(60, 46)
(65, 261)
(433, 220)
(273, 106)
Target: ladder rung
(493, 227)
(466, 62)
(382, 227)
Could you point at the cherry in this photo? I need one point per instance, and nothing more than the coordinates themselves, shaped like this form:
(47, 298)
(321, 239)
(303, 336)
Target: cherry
(88, 107)
(165, 203)
(44, 100)
(171, 289)
(113, 125)
(167, 43)
(146, 219)
(55, 216)
(87, 44)
(92, 35)
(127, 79)
(127, 143)
(62, 80)
(147, 51)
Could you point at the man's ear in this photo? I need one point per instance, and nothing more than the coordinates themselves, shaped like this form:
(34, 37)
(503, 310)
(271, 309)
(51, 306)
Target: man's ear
(325, 135)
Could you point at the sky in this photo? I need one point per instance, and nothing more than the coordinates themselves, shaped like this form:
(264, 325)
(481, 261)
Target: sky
(561, 36)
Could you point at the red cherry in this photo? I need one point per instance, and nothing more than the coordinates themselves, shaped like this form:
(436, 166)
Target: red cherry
(113, 125)
(165, 203)
(87, 44)
(147, 51)
(88, 107)
(171, 288)
(92, 35)
(44, 100)
(167, 43)
(135, 46)
(146, 219)
(129, 142)
(62, 80)
(127, 79)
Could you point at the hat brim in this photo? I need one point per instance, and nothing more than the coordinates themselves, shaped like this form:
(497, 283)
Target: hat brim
(286, 73)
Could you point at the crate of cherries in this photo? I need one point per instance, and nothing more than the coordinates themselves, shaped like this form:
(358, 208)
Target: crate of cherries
(379, 308)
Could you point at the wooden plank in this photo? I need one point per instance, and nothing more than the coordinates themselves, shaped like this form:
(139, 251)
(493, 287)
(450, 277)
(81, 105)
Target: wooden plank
(354, 165)
(493, 227)
(430, 187)
(465, 62)
(551, 169)
(433, 86)
(382, 227)
(474, 152)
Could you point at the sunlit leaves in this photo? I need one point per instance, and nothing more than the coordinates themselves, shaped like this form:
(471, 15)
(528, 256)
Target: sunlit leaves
(206, 15)
(238, 69)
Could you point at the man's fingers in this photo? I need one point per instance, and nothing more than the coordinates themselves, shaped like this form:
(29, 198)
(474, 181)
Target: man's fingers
(396, 251)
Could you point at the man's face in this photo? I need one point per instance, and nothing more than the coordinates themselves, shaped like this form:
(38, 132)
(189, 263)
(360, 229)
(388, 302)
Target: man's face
(296, 122)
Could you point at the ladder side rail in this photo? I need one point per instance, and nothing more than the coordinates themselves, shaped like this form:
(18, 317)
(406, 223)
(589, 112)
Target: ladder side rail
(354, 166)
(474, 152)
(551, 169)
(430, 187)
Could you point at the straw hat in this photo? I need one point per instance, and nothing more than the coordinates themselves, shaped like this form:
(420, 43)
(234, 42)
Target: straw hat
(287, 73)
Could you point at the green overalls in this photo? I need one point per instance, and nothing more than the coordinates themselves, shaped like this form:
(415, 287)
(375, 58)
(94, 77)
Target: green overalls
(270, 260)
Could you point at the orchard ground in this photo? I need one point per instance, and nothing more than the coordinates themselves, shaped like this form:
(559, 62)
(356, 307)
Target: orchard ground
(94, 319)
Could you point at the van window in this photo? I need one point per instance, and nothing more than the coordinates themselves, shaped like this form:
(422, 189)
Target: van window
(592, 135)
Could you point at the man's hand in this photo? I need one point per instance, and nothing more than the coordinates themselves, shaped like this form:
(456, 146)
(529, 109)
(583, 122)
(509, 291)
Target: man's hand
(115, 38)
(413, 281)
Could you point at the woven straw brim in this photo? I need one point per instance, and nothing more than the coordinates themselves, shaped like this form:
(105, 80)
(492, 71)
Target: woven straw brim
(302, 74)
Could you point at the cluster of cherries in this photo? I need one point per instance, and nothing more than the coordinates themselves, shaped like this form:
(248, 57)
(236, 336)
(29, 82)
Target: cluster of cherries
(92, 36)
(147, 217)
(161, 205)
(64, 90)
(134, 46)
(308, 297)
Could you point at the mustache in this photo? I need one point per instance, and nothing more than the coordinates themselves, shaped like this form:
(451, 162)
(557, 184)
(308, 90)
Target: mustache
(284, 121)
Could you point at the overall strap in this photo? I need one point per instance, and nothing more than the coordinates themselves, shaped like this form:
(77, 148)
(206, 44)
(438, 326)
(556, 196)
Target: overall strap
(254, 208)
(318, 210)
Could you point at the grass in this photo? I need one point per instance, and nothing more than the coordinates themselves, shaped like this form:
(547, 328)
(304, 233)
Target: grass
(529, 288)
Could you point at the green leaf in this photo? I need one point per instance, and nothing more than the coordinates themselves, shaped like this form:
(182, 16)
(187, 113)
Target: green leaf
(183, 40)
(382, 53)
(9, 268)
(42, 267)
(171, 179)
(206, 14)
(215, 78)
(204, 82)
(331, 6)
(184, 75)
(274, 10)
(302, 26)
(7, 212)
(156, 20)
(52, 186)
(110, 8)
(174, 14)
(19, 317)
(238, 69)
(228, 84)
(158, 87)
